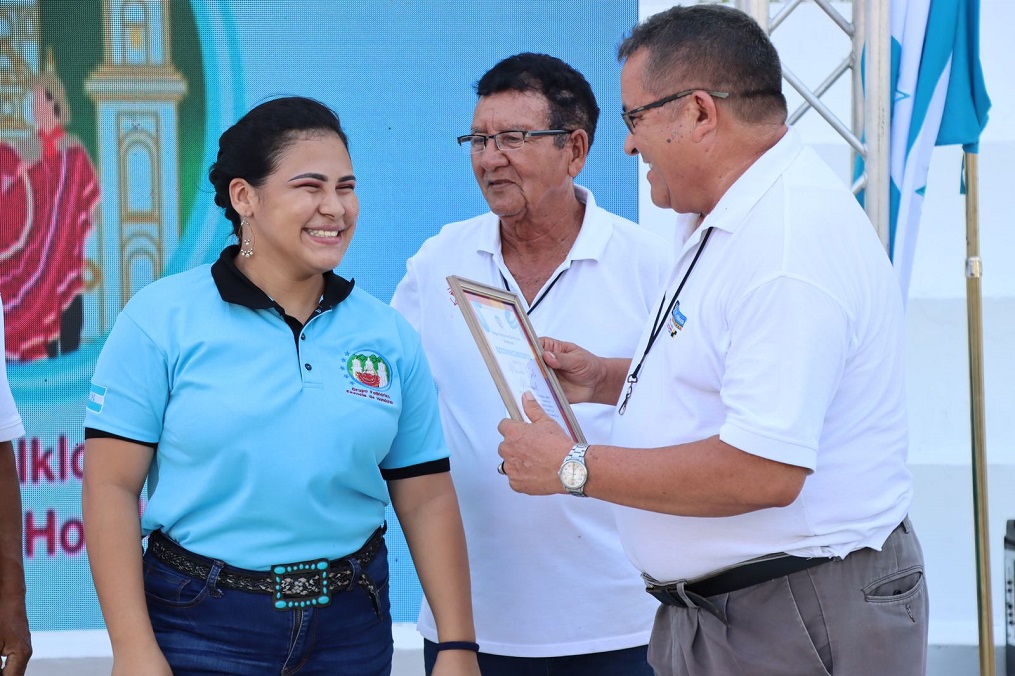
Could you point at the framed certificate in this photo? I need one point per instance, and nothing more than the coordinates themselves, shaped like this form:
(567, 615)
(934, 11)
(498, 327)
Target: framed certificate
(512, 351)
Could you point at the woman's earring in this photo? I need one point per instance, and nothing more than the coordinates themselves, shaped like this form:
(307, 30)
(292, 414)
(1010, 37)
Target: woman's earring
(246, 245)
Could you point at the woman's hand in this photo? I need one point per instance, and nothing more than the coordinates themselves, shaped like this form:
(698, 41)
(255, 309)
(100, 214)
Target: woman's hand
(115, 471)
(427, 509)
(146, 660)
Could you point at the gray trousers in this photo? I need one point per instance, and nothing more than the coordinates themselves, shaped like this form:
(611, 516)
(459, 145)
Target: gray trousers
(865, 615)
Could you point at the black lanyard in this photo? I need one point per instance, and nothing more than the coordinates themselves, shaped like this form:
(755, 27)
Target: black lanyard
(540, 298)
(660, 321)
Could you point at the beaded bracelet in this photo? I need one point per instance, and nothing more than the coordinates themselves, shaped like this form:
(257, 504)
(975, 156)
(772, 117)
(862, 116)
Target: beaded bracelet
(458, 645)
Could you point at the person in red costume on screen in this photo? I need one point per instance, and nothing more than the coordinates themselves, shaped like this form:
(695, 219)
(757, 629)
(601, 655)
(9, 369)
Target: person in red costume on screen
(47, 196)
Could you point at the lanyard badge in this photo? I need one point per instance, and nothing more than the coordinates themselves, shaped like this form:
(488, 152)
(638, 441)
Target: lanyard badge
(676, 321)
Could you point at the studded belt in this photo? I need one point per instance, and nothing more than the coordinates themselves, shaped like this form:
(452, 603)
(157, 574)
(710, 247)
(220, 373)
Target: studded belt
(293, 585)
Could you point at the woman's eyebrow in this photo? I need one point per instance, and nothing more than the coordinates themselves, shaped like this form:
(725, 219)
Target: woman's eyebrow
(322, 177)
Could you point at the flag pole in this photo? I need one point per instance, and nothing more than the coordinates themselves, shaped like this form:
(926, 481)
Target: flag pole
(978, 426)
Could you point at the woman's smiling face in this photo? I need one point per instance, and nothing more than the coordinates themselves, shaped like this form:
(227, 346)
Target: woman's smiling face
(302, 217)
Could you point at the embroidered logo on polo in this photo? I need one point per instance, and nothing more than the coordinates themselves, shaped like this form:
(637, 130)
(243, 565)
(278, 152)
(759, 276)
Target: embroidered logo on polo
(369, 373)
(676, 321)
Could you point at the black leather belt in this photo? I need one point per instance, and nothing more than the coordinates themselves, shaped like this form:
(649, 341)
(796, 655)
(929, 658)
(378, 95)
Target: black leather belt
(696, 593)
(293, 585)
(734, 579)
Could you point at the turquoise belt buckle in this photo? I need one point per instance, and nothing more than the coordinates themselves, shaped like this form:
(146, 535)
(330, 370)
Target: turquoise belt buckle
(301, 585)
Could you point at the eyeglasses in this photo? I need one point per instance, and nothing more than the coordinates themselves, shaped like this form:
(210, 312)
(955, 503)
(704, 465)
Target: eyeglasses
(505, 140)
(629, 115)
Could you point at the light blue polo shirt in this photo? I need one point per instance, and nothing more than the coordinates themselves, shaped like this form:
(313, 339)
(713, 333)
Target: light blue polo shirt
(273, 441)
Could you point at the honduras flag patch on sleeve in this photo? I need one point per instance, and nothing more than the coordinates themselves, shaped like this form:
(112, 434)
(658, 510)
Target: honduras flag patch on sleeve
(96, 397)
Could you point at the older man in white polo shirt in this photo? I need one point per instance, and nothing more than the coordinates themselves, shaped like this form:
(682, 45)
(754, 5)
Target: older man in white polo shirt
(552, 590)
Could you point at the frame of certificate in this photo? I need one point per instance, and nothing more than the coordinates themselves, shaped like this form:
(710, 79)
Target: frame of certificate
(512, 351)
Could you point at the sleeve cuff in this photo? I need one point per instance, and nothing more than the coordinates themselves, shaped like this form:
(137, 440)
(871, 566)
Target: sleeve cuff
(422, 469)
(779, 450)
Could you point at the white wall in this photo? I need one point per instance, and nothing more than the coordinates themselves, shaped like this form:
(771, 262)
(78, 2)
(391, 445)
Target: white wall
(938, 380)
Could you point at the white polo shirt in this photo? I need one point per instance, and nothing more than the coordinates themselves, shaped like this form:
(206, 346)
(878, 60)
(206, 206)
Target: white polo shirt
(792, 350)
(10, 421)
(549, 576)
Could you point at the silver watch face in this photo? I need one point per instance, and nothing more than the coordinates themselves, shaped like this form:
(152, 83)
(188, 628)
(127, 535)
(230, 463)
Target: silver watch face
(573, 474)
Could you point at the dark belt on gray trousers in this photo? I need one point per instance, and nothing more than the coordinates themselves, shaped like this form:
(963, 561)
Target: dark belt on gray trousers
(735, 579)
(696, 594)
(293, 585)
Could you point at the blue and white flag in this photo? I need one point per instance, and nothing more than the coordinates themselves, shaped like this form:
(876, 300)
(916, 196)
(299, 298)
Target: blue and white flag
(939, 99)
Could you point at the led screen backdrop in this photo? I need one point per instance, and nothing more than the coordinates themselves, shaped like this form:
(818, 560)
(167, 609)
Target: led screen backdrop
(110, 113)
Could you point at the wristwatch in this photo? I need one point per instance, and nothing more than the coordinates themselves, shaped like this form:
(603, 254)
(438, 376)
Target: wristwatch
(573, 473)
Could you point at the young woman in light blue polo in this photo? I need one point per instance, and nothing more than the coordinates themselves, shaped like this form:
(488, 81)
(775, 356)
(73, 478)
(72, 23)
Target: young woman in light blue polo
(273, 409)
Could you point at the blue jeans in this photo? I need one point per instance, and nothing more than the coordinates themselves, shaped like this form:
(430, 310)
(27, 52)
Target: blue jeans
(203, 629)
(627, 662)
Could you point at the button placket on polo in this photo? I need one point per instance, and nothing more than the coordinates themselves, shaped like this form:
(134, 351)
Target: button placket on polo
(310, 356)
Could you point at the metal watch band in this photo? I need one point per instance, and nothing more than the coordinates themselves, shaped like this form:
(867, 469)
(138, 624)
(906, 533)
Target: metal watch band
(577, 454)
